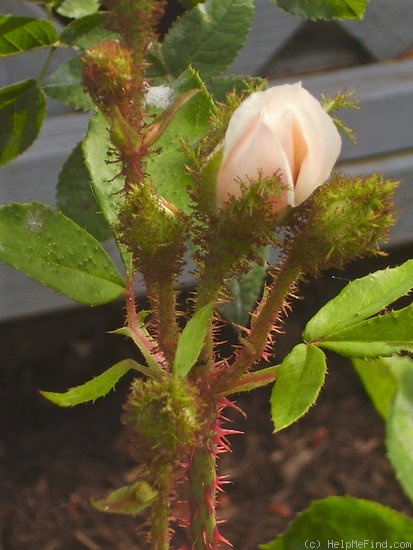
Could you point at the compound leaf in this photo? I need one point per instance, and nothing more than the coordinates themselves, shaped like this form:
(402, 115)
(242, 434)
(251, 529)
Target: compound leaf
(53, 250)
(381, 336)
(379, 382)
(86, 31)
(75, 198)
(208, 37)
(336, 519)
(399, 426)
(299, 380)
(359, 300)
(190, 123)
(77, 8)
(22, 34)
(22, 110)
(64, 85)
(95, 388)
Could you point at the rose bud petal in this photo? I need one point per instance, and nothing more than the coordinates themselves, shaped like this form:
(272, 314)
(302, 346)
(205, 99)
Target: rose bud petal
(283, 130)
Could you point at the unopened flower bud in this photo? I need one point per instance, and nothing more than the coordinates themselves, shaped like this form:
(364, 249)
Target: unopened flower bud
(109, 77)
(164, 417)
(347, 219)
(281, 131)
(154, 230)
(108, 73)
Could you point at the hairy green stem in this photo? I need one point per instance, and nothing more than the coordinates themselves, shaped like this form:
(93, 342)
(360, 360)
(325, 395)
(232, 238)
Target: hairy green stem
(202, 489)
(267, 313)
(206, 294)
(165, 311)
(160, 531)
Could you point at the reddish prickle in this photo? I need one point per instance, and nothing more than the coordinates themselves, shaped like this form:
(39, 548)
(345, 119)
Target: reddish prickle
(204, 484)
(221, 538)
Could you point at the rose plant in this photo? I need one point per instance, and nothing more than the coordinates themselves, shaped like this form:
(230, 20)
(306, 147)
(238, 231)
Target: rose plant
(182, 161)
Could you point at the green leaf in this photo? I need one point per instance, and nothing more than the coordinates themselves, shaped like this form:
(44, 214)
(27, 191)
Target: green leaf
(77, 8)
(389, 383)
(22, 110)
(208, 37)
(55, 251)
(360, 299)
(65, 85)
(104, 173)
(400, 426)
(299, 380)
(324, 9)
(167, 166)
(379, 382)
(192, 340)
(332, 521)
(93, 389)
(86, 31)
(75, 198)
(131, 499)
(21, 34)
(380, 336)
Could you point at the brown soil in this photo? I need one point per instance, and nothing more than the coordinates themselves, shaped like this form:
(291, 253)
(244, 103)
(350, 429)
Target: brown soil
(52, 460)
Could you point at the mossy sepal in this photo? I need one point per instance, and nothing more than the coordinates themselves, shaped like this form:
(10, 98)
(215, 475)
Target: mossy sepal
(228, 239)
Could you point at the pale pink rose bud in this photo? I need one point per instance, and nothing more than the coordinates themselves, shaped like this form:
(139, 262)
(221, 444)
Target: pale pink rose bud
(282, 130)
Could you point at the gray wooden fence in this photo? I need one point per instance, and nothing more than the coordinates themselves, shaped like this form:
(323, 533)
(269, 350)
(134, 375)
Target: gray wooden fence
(372, 57)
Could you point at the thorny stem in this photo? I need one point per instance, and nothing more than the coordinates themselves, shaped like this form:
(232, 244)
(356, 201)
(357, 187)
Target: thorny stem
(166, 318)
(266, 315)
(203, 532)
(202, 501)
(202, 477)
(206, 294)
(160, 532)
